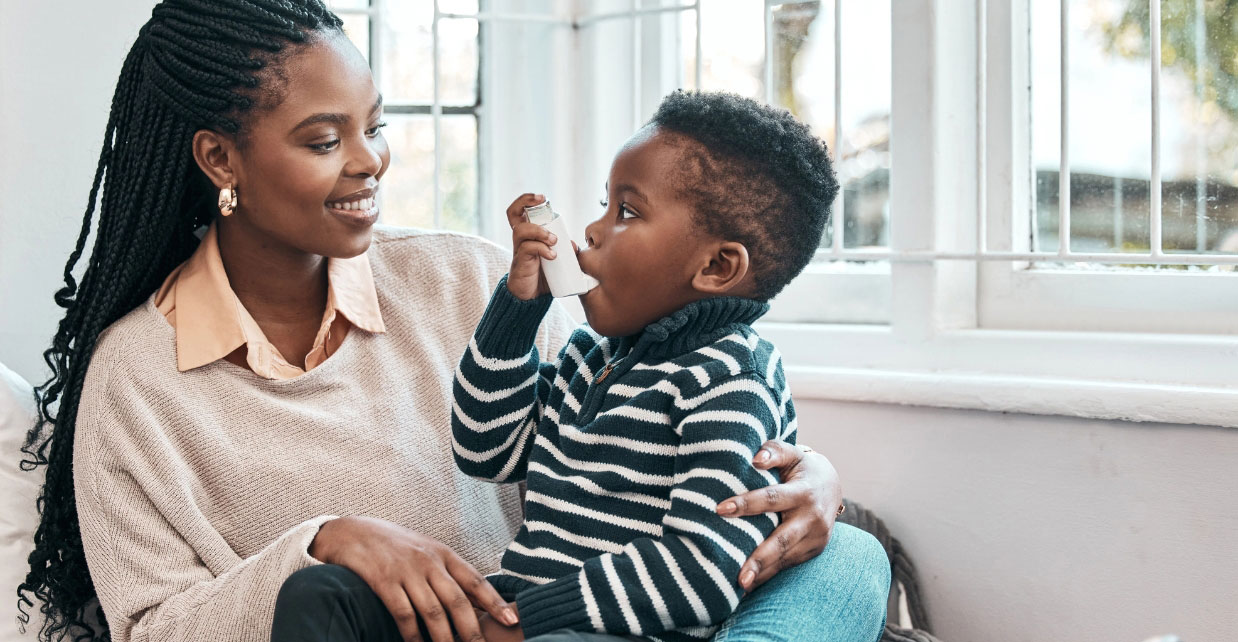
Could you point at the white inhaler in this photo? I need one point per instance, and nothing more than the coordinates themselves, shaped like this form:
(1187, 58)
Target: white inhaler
(563, 273)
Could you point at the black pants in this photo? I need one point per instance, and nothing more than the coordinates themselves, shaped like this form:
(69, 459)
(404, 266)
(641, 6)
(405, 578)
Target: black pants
(329, 603)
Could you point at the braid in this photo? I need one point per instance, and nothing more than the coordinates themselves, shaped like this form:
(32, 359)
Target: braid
(196, 65)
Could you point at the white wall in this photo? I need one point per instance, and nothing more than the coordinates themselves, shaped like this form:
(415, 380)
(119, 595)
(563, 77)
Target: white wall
(1025, 528)
(1035, 528)
(58, 65)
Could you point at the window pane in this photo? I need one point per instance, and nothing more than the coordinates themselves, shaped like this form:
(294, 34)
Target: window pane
(732, 47)
(1199, 123)
(458, 61)
(458, 6)
(1110, 125)
(459, 173)
(407, 69)
(337, 5)
(408, 187)
(357, 28)
(804, 82)
(408, 62)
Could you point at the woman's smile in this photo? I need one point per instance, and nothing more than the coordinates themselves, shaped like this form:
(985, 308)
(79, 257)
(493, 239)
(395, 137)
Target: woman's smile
(359, 208)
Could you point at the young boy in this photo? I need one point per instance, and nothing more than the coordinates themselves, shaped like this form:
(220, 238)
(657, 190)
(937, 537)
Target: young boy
(652, 414)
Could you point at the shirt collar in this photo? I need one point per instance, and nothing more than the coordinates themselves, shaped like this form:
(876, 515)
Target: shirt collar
(211, 322)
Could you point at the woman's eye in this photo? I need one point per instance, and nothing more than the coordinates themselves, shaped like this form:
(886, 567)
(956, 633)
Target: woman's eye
(626, 212)
(324, 147)
(373, 131)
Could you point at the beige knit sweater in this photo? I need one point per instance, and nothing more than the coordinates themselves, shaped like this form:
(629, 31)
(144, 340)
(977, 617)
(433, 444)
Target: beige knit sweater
(199, 492)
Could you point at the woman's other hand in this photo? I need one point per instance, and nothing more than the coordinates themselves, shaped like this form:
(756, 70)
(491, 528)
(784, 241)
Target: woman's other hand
(495, 631)
(530, 244)
(808, 499)
(413, 575)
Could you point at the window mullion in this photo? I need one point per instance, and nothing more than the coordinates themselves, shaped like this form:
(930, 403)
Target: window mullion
(933, 165)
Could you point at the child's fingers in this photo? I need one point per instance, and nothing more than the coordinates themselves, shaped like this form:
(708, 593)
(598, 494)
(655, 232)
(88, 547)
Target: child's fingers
(533, 249)
(526, 231)
(515, 211)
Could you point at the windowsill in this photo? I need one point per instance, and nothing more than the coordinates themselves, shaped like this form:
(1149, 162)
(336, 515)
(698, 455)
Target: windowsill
(1180, 379)
(1123, 401)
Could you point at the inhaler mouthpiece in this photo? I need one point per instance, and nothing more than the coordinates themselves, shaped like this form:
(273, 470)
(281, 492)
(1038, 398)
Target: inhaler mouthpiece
(562, 272)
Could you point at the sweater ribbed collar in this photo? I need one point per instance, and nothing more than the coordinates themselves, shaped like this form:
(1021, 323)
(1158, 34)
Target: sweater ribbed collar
(697, 324)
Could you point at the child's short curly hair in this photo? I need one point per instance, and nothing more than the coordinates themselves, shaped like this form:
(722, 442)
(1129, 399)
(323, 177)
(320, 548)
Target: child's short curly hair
(756, 176)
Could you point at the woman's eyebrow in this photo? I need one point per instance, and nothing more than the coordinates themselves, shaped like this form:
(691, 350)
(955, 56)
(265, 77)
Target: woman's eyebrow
(333, 118)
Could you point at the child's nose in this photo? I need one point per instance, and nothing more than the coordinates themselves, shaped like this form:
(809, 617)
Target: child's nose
(591, 232)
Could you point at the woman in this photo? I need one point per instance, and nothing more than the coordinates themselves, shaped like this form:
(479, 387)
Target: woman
(222, 402)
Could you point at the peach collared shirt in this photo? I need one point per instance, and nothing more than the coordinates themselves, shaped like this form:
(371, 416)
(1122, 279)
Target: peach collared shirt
(211, 323)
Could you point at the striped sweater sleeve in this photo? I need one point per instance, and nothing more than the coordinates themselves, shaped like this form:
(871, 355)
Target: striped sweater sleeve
(500, 389)
(687, 578)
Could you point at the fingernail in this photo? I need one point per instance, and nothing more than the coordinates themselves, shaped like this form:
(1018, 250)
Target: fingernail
(726, 507)
(552, 239)
(747, 578)
(553, 254)
(509, 617)
(763, 456)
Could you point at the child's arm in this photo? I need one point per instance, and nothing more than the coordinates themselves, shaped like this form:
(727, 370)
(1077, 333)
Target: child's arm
(501, 385)
(500, 388)
(689, 576)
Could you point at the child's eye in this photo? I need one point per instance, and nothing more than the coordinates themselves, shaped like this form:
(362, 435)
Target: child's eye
(626, 212)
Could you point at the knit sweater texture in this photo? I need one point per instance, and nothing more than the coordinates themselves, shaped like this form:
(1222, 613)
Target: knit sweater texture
(199, 492)
(627, 446)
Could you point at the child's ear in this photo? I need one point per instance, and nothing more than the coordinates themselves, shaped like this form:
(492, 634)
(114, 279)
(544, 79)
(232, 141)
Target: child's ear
(726, 269)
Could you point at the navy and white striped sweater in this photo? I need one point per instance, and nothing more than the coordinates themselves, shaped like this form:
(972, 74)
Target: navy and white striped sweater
(627, 445)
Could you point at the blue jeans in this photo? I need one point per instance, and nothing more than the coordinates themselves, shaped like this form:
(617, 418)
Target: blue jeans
(838, 597)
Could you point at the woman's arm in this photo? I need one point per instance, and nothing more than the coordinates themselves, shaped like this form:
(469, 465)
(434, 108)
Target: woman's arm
(809, 499)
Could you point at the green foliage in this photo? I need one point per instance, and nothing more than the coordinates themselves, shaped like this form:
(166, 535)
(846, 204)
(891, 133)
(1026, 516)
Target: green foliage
(1129, 36)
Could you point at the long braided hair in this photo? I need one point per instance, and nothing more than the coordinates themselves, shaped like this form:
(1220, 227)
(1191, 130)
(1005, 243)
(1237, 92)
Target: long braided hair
(196, 64)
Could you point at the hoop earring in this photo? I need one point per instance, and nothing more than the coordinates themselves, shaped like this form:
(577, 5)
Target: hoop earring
(227, 200)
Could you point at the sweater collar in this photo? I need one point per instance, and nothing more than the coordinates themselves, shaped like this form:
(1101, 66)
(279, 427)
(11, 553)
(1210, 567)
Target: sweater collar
(697, 324)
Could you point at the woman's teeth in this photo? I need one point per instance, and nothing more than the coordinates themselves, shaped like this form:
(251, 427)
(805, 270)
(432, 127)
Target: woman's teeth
(364, 204)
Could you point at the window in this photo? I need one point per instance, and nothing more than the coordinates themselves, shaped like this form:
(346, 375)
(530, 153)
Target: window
(828, 62)
(987, 251)
(1128, 165)
(426, 62)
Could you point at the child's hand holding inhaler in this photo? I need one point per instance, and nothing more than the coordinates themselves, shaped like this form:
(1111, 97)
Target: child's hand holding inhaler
(541, 261)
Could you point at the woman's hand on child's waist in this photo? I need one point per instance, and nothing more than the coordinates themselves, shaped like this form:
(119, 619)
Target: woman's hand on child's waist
(808, 500)
(412, 574)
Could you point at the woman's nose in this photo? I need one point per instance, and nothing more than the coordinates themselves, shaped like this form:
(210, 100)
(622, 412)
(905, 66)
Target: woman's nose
(369, 159)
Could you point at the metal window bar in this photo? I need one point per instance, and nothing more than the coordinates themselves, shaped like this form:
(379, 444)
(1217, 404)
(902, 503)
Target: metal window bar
(1063, 177)
(1201, 161)
(838, 221)
(1154, 27)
